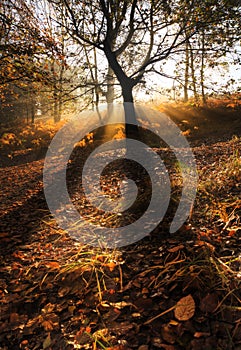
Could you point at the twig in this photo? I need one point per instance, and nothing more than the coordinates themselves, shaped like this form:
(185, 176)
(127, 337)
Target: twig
(161, 314)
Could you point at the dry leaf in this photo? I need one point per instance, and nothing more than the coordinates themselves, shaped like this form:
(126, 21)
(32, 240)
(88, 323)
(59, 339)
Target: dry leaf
(48, 325)
(14, 317)
(145, 291)
(209, 303)
(201, 334)
(168, 335)
(186, 132)
(24, 343)
(176, 249)
(111, 265)
(47, 342)
(185, 308)
(52, 265)
(63, 291)
(48, 308)
(232, 233)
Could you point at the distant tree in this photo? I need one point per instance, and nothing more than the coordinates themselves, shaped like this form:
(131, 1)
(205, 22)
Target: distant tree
(210, 45)
(24, 44)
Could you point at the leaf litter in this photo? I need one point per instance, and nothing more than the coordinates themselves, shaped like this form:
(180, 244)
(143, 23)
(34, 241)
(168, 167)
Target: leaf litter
(169, 292)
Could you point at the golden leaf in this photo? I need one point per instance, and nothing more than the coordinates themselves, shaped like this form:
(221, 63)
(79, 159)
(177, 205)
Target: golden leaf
(48, 325)
(185, 308)
(54, 265)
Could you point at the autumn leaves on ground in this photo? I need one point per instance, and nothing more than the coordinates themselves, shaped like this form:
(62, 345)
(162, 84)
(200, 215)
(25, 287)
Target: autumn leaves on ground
(179, 291)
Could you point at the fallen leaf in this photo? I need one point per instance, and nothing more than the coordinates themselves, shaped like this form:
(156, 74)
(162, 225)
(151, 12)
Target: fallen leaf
(186, 132)
(23, 343)
(88, 329)
(52, 265)
(232, 233)
(143, 347)
(145, 291)
(168, 335)
(14, 317)
(209, 303)
(201, 334)
(47, 342)
(63, 291)
(48, 325)
(111, 265)
(176, 249)
(157, 342)
(185, 308)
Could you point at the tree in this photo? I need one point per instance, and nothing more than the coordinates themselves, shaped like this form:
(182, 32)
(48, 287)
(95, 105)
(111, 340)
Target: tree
(209, 47)
(24, 45)
(135, 35)
(118, 28)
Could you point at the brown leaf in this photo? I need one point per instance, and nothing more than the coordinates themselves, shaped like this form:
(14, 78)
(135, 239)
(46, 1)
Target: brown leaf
(48, 308)
(14, 317)
(48, 325)
(168, 335)
(63, 291)
(209, 303)
(201, 334)
(23, 343)
(16, 321)
(232, 233)
(185, 308)
(52, 265)
(145, 290)
(157, 342)
(168, 347)
(176, 249)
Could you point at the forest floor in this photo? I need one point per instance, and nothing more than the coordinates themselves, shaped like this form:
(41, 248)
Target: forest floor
(167, 291)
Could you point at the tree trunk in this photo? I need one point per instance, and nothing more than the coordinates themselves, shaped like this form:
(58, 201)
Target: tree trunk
(56, 115)
(28, 103)
(194, 86)
(203, 67)
(60, 92)
(97, 89)
(186, 73)
(60, 107)
(110, 90)
(32, 107)
(127, 84)
(110, 86)
(131, 128)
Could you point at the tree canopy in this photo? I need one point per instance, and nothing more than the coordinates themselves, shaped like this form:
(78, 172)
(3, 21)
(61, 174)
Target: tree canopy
(123, 40)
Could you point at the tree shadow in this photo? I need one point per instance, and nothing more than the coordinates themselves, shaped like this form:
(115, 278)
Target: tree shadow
(20, 157)
(19, 225)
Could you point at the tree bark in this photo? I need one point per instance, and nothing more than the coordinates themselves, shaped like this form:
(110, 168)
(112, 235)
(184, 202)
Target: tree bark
(186, 72)
(110, 90)
(203, 67)
(131, 128)
(32, 107)
(56, 106)
(127, 85)
(194, 87)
